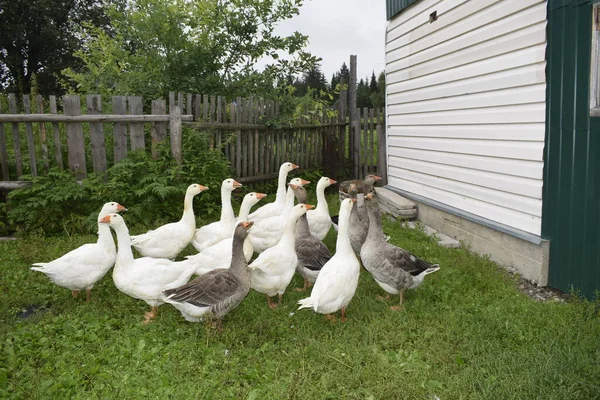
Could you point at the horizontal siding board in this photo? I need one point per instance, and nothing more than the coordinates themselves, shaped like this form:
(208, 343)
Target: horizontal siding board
(504, 44)
(497, 197)
(506, 97)
(520, 76)
(522, 168)
(505, 132)
(525, 187)
(528, 56)
(466, 106)
(503, 215)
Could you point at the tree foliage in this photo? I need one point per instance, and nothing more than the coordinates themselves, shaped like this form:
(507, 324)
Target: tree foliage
(208, 46)
(39, 37)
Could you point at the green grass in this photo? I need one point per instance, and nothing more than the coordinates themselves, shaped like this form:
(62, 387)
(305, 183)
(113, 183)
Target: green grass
(467, 333)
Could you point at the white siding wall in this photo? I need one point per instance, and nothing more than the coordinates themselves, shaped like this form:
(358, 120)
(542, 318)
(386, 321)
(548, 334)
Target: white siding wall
(466, 106)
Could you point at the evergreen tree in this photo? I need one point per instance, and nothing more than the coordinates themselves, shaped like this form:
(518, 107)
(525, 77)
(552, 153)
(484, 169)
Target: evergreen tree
(378, 97)
(344, 74)
(373, 84)
(315, 79)
(363, 98)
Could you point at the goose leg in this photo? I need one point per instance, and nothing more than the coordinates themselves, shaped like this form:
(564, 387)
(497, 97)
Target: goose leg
(74, 293)
(88, 296)
(303, 289)
(343, 319)
(330, 317)
(386, 298)
(271, 303)
(280, 295)
(149, 316)
(401, 305)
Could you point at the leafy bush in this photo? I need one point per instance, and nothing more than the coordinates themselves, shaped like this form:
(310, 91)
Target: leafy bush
(152, 190)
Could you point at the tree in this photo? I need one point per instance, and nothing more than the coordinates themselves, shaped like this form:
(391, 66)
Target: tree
(39, 37)
(315, 79)
(373, 84)
(362, 95)
(344, 74)
(378, 97)
(208, 46)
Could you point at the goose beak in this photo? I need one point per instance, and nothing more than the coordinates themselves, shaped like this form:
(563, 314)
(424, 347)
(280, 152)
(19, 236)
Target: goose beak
(120, 208)
(294, 166)
(378, 178)
(304, 182)
(247, 225)
(369, 196)
(353, 200)
(236, 185)
(202, 188)
(105, 220)
(332, 181)
(260, 196)
(309, 206)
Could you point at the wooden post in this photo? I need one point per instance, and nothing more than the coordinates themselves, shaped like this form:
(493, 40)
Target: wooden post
(189, 109)
(136, 129)
(30, 141)
(56, 131)
(365, 140)
(175, 133)
(12, 109)
(381, 155)
(238, 147)
(354, 118)
(119, 106)
(3, 151)
(343, 105)
(75, 143)
(158, 131)
(372, 134)
(218, 119)
(43, 138)
(94, 107)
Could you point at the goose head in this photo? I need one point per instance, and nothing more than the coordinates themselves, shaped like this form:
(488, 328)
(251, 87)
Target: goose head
(325, 182)
(252, 198)
(300, 192)
(195, 189)
(287, 167)
(110, 208)
(230, 185)
(371, 179)
(114, 220)
(301, 209)
(299, 182)
(241, 229)
(353, 191)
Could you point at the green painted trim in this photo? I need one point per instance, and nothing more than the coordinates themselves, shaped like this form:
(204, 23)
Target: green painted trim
(395, 7)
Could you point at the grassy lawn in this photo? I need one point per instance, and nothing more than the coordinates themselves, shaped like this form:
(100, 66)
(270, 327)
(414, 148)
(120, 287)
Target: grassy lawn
(467, 333)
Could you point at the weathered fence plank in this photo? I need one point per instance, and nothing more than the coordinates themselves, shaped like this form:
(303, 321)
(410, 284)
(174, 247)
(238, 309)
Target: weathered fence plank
(238, 147)
(75, 142)
(176, 134)
(354, 117)
(218, 119)
(97, 142)
(56, 135)
(372, 133)
(158, 130)
(119, 106)
(39, 101)
(30, 139)
(12, 108)
(381, 155)
(3, 152)
(136, 130)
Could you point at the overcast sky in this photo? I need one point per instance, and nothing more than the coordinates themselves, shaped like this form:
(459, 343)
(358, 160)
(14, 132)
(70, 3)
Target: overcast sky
(338, 28)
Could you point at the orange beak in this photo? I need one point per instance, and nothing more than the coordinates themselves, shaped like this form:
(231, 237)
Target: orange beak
(120, 208)
(332, 181)
(353, 200)
(105, 219)
(236, 184)
(260, 196)
(247, 225)
(203, 188)
(378, 178)
(309, 206)
(293, 186)
(304, 182)
(369, 196)
(294, 166)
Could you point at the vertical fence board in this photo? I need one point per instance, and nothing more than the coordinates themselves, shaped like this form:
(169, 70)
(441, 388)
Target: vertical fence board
(364, 139)
(238, 144)
(136, 129)
(3, 151)
(188, 108)
(180, 103)
(12, 109)
(56, 135)
(371, 141)
(94, 107)
(263, 139)
(198, 108)
(218, 119)
(158, 130)
(381, 155)
(175, 134)
(30, 140)
(75, 142)
(39, 101)
(119, 106)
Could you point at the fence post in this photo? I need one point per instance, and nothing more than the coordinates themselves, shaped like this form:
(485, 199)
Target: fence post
(30, 139)
(3, 151)
(12, 109)
(381, 154)
(40, 109)
(119, 106)
(159, 129)
(136, 130)
(56, 131)
(175, 133)
(75, 143)
(354, 118)
(94, 107)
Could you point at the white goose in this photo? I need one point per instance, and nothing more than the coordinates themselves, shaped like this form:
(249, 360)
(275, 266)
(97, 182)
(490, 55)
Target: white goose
(82, 267)
(267, 232)
(319, 220)
(219, 255)
(275, 208)
(338, 279)
(168, 240)
(211, 234)
(144, 278)
(273, 270)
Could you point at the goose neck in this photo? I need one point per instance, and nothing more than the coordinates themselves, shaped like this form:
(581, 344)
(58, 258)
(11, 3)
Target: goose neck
(375, 226)
(321, 200)
(188, 210)
(226, 209)
(343, 244)
(124, 253)
(280, 197)
(105, 238)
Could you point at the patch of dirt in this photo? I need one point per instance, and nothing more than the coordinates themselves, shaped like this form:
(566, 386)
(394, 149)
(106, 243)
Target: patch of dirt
(540, 293)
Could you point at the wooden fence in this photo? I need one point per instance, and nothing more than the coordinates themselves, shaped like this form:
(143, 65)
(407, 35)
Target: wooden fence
(248, 131)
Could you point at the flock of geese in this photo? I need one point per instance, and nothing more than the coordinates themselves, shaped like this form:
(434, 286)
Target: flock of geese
(287, 237)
